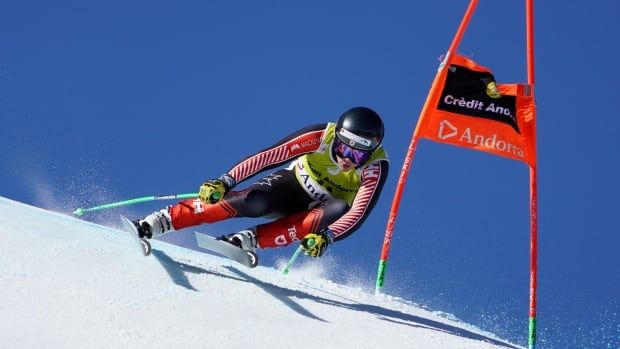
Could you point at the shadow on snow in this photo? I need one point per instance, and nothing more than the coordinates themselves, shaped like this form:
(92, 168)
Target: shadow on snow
(176, 270)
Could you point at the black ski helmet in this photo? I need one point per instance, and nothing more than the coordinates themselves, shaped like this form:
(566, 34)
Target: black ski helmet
(360, 128)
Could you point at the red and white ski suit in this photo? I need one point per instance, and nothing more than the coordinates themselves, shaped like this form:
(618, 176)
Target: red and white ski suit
(281, 195)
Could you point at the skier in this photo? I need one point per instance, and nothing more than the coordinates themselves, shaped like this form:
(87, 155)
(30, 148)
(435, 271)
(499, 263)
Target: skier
(334, 180)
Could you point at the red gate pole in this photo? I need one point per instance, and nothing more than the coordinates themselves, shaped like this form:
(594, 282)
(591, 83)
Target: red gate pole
(529, 19)
(404, 174)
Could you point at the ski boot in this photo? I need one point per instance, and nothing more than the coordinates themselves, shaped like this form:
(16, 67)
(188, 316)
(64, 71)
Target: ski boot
(245, 239)
(154, 225)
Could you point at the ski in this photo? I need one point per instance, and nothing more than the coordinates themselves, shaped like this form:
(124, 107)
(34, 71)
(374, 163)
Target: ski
(247, 258)
(129, 227)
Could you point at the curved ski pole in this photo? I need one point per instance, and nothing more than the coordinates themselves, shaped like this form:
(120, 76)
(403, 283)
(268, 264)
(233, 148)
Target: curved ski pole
(81, 211)
(294, 257)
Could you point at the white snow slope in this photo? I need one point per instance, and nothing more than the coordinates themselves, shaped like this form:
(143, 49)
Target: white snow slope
(67, 283)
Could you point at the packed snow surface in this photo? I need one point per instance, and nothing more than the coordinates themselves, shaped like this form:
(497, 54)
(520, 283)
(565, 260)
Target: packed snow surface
(67, 283)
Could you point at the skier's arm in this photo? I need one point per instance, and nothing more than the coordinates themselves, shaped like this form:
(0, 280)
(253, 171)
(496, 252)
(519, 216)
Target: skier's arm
(373, 179)
(304, 141)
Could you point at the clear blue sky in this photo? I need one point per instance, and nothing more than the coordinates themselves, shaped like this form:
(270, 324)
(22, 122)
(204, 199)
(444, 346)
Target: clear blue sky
(104, 101)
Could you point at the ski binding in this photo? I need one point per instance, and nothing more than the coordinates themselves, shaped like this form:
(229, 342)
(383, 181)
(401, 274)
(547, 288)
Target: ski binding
(245, 257)
(145, 245)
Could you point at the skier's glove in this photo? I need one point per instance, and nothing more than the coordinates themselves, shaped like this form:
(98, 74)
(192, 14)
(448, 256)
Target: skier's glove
(214, 190)
(314, 245)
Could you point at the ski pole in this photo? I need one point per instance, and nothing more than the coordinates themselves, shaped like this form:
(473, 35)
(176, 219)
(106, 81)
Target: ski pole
(81, 211)
(295, 255)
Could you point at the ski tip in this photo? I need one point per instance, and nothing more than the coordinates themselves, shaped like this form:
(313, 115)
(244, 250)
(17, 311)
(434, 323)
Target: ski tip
(126, 220)
(146, 246)
(253, 259)
(78, 212)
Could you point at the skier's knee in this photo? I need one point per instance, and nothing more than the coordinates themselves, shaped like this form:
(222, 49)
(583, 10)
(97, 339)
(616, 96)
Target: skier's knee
(336, 207)
(257, 204)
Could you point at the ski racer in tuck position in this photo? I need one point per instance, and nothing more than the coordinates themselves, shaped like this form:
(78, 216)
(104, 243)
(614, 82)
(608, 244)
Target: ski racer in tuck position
(333, 181)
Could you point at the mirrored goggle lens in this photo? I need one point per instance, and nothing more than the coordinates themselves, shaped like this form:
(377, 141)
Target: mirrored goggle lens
(356, 155)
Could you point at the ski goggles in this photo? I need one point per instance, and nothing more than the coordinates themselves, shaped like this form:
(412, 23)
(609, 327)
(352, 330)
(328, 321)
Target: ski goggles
(357, 156)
